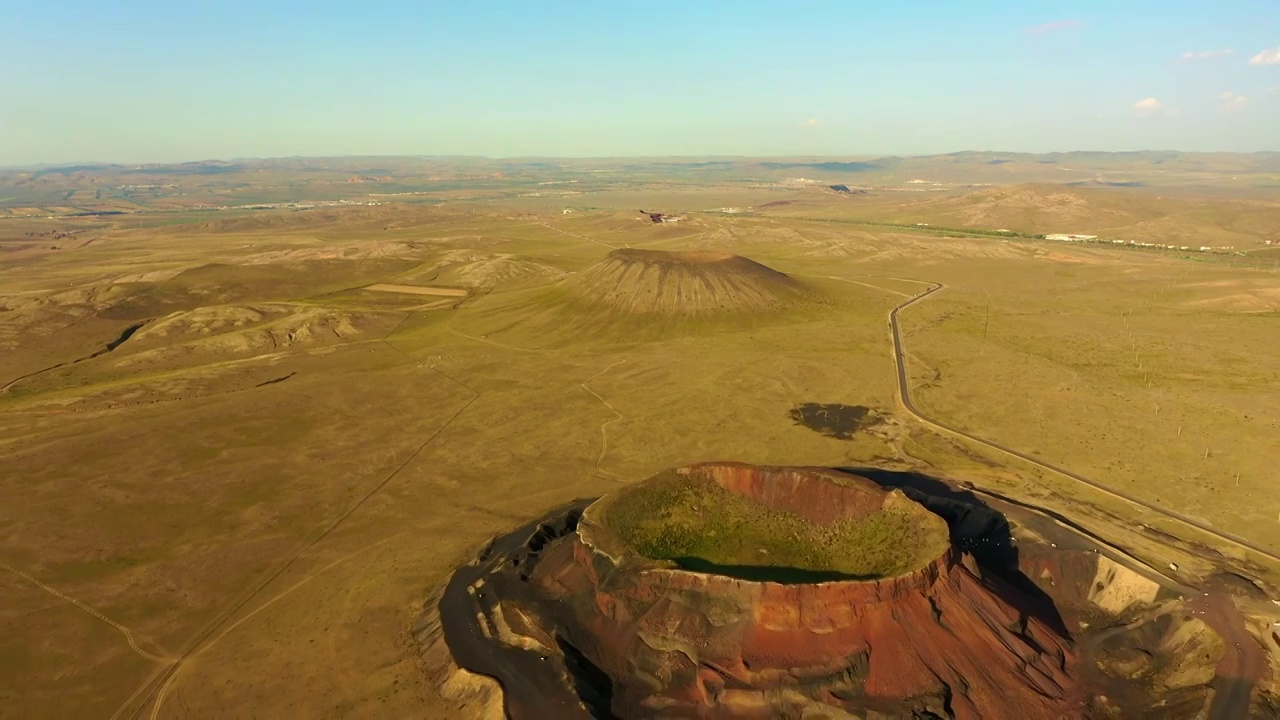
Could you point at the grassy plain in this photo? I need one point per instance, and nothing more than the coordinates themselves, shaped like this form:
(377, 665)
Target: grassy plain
(242, 507)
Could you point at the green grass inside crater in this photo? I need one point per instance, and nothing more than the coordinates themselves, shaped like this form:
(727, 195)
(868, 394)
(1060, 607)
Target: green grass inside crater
(699, 525)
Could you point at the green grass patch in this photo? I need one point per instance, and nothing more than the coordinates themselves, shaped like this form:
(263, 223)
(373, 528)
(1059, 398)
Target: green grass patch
(701, 526)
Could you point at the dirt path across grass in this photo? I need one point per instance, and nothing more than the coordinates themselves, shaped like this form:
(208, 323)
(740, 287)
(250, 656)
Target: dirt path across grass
(128, 634)
(604, 426)
(417, 290)
(155, 697)
(580, 237)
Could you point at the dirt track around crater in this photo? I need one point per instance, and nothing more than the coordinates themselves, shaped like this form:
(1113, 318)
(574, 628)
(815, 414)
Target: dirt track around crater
(904, 396)
(1244, 663)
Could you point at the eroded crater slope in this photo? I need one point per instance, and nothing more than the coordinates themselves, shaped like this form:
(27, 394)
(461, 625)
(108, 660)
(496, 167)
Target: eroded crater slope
(724, 590)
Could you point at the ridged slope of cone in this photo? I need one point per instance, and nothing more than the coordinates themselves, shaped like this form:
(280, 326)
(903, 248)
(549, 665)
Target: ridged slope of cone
(657, 281)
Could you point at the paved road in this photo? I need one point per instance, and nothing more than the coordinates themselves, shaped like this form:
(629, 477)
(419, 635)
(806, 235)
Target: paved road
(904, 393)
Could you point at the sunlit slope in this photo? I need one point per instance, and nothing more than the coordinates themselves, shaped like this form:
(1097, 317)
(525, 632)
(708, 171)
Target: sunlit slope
(634, 295)
(1141, 215)
(679, 283)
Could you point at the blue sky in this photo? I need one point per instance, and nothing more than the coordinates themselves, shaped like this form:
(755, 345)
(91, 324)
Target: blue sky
(147, 81)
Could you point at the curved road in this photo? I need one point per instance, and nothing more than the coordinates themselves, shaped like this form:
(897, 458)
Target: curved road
(904, 393)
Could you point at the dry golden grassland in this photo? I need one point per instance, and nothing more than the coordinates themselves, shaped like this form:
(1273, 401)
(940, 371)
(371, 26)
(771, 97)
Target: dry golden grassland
(241, 509)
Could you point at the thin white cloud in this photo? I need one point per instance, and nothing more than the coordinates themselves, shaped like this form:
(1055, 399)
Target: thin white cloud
(1052, 26)
(810, 123)
(1148, 107)
(1208, 54)
(1232, 102)
(1266, 57)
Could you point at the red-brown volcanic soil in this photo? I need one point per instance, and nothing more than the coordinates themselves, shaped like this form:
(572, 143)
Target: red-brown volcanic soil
(574, 622)
(691, 644)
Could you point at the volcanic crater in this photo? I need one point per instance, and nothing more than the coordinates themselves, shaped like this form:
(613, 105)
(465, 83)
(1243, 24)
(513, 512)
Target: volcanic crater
(786, 527)
(634, 295)
(691, 281)
(725, 590)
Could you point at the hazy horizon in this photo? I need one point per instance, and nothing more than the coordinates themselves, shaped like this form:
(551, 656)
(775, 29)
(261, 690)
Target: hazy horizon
(144, 82)
(531, 158)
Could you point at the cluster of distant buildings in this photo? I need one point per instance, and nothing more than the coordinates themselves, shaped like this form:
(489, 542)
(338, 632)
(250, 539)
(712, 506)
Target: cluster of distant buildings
(304, 205)
(1062, 237)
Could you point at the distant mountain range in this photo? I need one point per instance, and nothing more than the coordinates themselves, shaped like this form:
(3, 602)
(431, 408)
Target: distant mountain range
(395, 165)
(95, 188)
